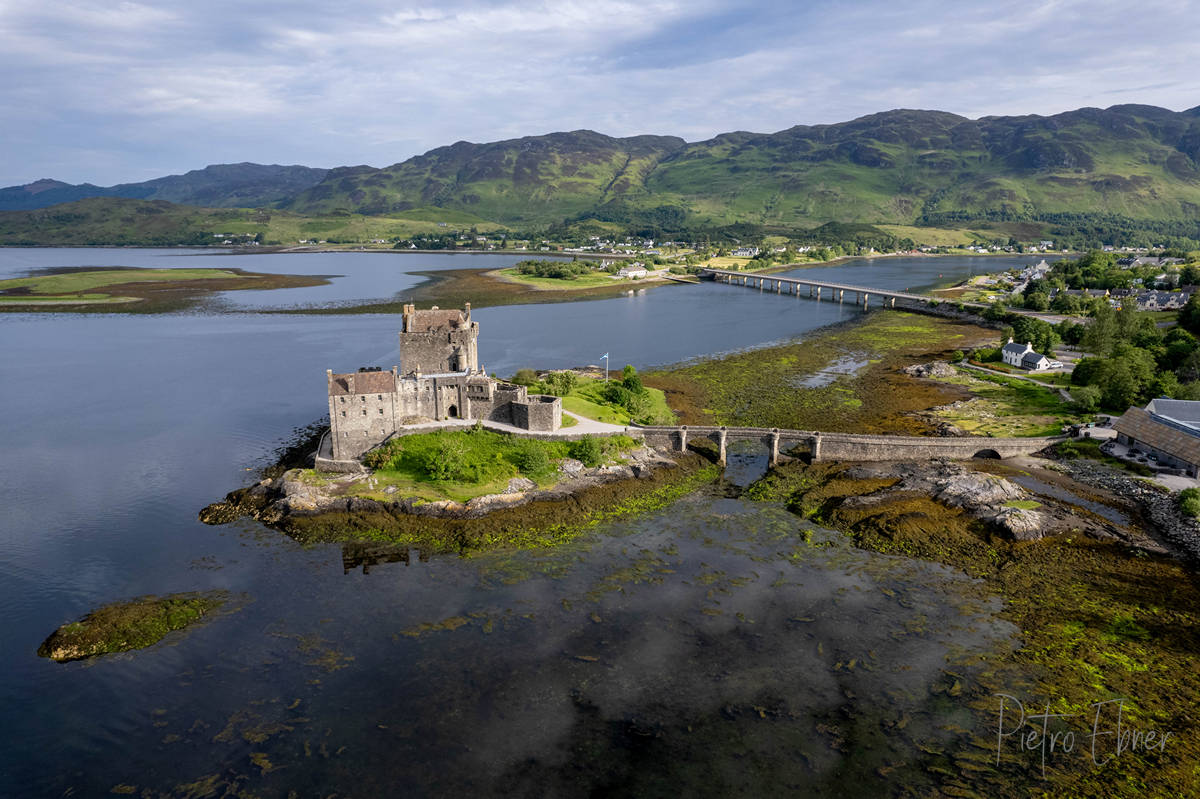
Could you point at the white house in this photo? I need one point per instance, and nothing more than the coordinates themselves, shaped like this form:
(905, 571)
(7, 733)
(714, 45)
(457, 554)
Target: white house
(1023, 356)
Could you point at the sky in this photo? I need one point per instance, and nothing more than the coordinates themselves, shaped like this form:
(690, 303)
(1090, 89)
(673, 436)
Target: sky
(105, 91)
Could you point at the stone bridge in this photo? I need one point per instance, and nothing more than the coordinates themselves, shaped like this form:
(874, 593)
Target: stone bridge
(848, 446)
(792, 285)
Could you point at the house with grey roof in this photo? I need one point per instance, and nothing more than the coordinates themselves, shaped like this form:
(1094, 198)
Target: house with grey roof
(1024, 356)
(1166, 428)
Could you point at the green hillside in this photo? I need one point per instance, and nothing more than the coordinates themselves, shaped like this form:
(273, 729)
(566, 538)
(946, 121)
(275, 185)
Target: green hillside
(895, 167)
(242, 185)
(116, 221)
(1098, 173)
(537, 179)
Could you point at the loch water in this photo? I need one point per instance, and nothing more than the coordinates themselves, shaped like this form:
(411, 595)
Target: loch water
(714, 646)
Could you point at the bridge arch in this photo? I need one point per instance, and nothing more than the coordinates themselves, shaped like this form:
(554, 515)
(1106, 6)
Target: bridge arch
(989, 454)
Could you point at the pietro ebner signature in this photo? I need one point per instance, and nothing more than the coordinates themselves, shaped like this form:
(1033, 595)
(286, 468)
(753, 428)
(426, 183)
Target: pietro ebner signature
(1047, 734)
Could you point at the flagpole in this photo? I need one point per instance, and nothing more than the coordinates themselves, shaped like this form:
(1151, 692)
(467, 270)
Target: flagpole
(606, 367)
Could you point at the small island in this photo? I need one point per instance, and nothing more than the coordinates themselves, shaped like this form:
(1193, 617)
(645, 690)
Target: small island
(133, 289)
(444, 455)
(124, 626)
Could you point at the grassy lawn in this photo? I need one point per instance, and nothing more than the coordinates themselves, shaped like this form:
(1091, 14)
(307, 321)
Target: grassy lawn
(728, 262)
(587, 400)
(1005, 406)
(461, 465)
(559, 284)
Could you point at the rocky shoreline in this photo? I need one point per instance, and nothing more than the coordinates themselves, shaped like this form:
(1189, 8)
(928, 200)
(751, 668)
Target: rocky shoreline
(1159, 507)
(274, 501)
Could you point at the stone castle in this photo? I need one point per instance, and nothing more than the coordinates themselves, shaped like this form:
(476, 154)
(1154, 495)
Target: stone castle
(441, 379)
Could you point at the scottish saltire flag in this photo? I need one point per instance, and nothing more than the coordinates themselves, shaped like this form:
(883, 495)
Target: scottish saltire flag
(605, 355)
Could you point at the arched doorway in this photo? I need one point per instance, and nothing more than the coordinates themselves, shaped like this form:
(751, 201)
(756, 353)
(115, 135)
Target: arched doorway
(453, 412)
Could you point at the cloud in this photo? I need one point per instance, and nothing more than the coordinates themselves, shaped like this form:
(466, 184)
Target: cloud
(117, 92)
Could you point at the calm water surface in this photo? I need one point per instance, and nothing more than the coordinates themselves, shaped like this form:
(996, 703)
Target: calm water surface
(705, 648)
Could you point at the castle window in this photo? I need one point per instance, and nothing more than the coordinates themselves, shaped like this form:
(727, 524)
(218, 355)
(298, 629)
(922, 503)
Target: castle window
(381, 411)
(364, 411)
(363, 398)
(381, 398)
(343, 413)
(343, 399)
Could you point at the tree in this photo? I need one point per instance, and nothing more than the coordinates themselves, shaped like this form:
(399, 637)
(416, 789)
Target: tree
(1086, 399)
(562, 383)
(1189, 317)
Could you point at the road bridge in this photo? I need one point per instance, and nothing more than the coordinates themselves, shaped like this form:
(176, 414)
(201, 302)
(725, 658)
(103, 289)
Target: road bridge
(848, 446)
(793, 285)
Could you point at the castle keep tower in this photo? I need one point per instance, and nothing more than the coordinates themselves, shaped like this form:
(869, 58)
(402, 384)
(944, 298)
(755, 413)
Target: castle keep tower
(441, 381)
(438, 342)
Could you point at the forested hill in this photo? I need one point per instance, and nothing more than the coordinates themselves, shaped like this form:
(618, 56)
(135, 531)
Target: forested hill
(218, 186)
(903, 166)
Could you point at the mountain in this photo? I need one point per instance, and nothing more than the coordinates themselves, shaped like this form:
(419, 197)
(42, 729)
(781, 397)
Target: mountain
(536, 178)
(219, 186)
(899, 166)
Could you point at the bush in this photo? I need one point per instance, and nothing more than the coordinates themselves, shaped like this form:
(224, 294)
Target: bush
(1189, 501)
(447, 460)
(531, 458)
(589, 450)
(987, 354)
(525, 377)
(956, 356)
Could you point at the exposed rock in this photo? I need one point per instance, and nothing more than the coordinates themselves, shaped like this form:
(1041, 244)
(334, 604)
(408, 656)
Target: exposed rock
(983, 496)
(290, 494)
(932, 369)
(519, 485)
(571, 467)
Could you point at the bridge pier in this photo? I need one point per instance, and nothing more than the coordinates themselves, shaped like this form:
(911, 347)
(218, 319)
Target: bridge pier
(816, 447)
(773, 443)
(818, 293)
(722, 434)
(683, 438)
(778, 286)
(810, 290)
(866, 298)
(841, 294)
(893, 302)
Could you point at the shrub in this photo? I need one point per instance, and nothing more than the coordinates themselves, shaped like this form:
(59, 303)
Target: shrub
(525, 377)
(956, 356)
(531, 458)
(589, 450)
(1189, 501)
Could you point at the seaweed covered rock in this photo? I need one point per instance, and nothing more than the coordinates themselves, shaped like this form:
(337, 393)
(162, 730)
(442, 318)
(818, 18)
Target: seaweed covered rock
(122, 626)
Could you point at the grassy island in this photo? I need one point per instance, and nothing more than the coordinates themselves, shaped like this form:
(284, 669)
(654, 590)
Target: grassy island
(123, 626)
(558, 275)
(132, 289)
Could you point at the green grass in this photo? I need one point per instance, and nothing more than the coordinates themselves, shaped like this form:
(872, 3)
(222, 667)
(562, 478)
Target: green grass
(77, 282)
(461, 465)
(587, 400)
(1023, 504)
(558, 284)
(1006, 406)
